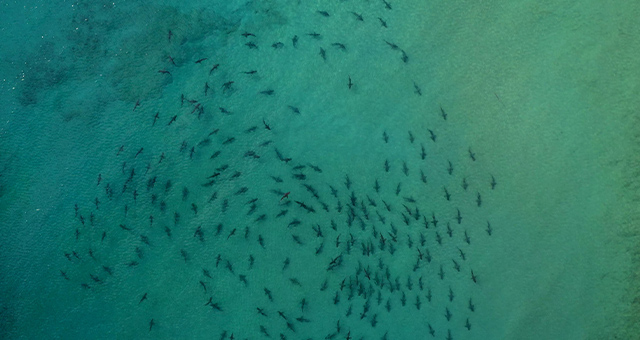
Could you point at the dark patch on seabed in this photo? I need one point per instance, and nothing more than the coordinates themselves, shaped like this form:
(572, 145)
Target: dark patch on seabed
(259, 234)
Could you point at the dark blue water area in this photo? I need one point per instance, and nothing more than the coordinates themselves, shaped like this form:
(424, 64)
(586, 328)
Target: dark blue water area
(314, 170)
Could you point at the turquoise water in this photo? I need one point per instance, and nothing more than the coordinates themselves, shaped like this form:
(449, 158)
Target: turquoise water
(142, 195)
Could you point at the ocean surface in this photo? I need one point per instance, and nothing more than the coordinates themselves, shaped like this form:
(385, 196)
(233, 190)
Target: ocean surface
(357, 169)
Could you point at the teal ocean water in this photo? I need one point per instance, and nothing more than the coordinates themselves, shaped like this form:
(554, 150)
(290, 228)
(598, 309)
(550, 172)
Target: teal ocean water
(355, 169)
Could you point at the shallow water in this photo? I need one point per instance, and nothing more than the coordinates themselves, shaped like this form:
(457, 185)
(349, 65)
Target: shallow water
(509, 131)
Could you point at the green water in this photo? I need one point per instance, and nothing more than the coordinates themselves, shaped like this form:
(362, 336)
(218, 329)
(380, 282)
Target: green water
(540, 96)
